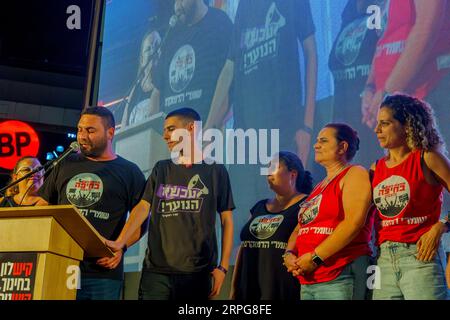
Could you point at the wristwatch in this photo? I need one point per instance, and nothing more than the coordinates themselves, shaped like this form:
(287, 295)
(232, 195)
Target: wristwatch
(222, 268)
(316, 259)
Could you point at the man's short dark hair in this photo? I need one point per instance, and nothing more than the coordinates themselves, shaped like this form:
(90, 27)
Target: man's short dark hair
(102, 112)
(185, 113)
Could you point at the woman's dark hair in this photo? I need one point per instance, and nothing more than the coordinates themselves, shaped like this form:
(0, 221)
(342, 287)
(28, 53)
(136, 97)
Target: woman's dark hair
(418, 119)
(304, 181)
(346, 133)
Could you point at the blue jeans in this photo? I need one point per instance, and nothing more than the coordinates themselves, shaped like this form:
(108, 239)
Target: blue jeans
(350, 284)
(403, 277)
(99, 289)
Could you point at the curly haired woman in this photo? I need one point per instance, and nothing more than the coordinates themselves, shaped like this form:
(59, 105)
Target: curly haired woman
(407, 191)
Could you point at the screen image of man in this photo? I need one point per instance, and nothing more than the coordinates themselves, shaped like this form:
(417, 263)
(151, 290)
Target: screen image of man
(191, 58)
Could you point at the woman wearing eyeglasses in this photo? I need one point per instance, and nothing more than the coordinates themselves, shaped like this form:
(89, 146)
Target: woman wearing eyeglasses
(329, 251)
(25, 192)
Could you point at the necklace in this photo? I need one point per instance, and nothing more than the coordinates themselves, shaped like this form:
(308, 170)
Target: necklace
(325, 182)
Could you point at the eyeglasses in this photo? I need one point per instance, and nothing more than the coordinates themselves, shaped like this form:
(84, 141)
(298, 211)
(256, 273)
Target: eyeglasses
(27, 170)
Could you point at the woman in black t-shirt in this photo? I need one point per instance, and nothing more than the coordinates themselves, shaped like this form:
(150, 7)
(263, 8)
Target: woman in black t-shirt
(25, 192)
(259, 273)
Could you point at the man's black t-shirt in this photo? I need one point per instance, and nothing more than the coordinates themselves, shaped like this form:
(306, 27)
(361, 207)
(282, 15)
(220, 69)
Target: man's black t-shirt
(261, 274)
(184, 203)
(265, 52)
(350, 62)
(104, 191)
(191, 61)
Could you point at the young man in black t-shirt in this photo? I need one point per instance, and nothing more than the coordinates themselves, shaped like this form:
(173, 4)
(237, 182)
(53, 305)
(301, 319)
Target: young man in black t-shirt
(184, 196)
(104, 187)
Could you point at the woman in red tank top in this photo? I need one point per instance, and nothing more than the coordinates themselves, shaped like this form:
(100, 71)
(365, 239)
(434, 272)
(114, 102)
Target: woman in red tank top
(333, 230)
(407, 191)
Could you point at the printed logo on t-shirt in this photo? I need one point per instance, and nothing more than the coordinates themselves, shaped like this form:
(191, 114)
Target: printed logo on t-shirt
(264, 227)
(175, 199)
(84, 190)
(309, 210)
(182, 68)
(261, 43)
(349, 43)
(391, 196)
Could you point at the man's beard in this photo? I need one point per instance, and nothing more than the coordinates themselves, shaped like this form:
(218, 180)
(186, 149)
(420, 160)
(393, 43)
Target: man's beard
(186, 16)
(94, 151)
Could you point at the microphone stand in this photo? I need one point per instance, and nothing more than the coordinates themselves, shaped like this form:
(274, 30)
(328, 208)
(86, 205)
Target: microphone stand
(44, 167)
(12, 184)
(140, 77)
(127, 100)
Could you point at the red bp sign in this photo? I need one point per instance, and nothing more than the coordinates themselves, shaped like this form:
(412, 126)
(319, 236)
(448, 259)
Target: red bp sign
(17, 139)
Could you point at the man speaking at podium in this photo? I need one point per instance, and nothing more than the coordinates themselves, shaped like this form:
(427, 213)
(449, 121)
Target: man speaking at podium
(104, 187)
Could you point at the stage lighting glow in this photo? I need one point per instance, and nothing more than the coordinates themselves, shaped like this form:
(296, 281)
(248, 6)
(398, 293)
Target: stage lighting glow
(49, 156)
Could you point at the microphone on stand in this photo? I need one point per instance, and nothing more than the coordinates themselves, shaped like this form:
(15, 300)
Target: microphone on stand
(173, 21)
(74, 147)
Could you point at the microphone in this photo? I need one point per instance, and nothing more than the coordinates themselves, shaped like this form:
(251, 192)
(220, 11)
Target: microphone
(74, 147)
(46, 167)
(173, 21)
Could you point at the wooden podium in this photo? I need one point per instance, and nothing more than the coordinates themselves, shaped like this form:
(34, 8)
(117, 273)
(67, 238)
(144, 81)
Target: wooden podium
(40, 251)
